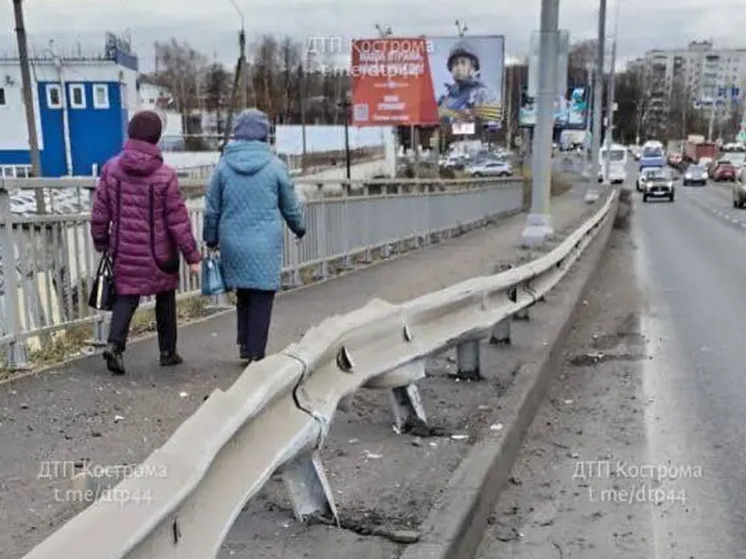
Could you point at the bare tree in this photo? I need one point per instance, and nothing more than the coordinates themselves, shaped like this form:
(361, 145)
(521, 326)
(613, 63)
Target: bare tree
(180, 67)
(218, 82)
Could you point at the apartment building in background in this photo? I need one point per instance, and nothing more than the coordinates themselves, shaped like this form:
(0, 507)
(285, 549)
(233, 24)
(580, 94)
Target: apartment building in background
(694, 77)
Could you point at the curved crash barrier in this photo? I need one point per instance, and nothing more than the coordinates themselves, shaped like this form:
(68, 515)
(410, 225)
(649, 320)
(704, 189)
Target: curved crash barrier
(277, 418)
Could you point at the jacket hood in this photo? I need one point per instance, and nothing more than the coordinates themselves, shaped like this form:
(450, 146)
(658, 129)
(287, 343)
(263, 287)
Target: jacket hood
(140, 158)
(247, 157)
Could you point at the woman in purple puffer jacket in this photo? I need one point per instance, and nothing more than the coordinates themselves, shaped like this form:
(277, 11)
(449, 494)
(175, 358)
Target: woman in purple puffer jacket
(139, 216)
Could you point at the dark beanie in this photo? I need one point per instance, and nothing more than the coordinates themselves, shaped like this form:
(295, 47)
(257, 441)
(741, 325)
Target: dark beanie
(145, 126)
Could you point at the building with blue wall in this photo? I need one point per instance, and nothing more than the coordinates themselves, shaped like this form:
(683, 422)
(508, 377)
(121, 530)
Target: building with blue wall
(81, 106)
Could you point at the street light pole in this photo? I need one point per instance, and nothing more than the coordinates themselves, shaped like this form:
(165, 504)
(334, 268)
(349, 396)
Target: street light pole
(598, 99)
(539, 222)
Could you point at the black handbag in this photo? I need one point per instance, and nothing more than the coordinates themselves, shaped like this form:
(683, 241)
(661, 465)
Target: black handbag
(103, 294)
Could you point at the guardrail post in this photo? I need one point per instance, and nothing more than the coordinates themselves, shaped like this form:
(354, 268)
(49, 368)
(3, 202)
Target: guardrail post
(501, 333)
(522, 314)
(309, 488)
(17, 355)
(409, 413)
(467, 359)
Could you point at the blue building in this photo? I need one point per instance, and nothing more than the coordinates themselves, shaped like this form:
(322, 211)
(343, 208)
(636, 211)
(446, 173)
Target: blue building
(81, 106)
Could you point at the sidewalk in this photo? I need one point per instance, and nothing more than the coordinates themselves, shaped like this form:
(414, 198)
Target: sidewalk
(82, 412)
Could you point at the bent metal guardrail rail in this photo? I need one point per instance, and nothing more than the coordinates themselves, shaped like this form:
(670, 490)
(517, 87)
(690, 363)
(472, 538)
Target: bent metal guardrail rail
(277, 417)
(55, 259)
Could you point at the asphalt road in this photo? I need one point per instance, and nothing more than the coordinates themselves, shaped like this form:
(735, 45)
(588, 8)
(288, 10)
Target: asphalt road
(692, 266)
(654, 379)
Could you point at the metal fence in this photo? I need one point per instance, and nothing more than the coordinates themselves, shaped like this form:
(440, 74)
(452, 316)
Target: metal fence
(47, 291)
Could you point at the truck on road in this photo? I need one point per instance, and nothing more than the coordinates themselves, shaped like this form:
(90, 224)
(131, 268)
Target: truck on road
(695, 150)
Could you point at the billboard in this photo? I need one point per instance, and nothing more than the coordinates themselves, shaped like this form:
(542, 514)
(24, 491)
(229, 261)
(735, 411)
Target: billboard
(570, 112)
(427, 81)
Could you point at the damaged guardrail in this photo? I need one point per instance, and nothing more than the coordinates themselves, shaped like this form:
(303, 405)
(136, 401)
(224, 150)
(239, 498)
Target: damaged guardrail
(277, 415)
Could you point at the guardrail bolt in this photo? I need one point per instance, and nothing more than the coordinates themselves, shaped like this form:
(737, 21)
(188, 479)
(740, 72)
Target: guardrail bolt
(467, 359)
(501, 333)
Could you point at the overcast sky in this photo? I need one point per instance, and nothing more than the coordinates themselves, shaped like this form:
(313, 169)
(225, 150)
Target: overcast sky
(211, 26)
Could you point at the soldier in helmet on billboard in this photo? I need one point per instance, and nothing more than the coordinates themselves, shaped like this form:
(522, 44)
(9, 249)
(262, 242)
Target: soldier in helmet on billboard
(467, 97)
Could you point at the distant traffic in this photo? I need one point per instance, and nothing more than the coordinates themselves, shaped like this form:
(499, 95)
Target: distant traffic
(694, 161)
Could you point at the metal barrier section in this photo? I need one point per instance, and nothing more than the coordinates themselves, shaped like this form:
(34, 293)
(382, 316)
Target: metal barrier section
(276, 417)
(55, 259)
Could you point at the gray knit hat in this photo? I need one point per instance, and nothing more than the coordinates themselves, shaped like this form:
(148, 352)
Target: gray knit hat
(251, 124)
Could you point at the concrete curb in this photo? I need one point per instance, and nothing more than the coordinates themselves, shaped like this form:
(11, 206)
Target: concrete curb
(456, 523)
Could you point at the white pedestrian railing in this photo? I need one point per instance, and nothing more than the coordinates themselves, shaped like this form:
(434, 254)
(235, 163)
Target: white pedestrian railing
(55, 259)
(181, 502)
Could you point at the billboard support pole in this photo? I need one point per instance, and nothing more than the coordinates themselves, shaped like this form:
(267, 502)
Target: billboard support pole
(539, 222)
(598, 99)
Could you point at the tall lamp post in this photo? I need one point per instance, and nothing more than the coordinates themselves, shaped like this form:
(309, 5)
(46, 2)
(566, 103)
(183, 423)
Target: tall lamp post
(539, 222)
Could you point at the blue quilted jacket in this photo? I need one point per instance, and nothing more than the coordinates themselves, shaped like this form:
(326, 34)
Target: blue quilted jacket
(250, 195)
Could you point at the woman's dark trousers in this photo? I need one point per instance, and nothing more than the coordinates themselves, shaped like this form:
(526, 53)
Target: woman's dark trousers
(165, 317)
(254, 310)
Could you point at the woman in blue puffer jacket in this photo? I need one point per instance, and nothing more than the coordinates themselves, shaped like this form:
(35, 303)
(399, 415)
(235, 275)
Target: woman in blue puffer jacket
(250, 196)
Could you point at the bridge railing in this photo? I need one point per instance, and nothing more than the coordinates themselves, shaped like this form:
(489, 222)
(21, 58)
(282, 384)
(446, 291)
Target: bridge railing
(181, 502)
(47, 289)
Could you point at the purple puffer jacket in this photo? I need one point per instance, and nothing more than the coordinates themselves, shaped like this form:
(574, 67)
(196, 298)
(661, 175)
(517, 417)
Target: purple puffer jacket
(139, 215)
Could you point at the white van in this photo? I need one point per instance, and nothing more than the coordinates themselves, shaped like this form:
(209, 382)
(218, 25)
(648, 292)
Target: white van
(617, 164)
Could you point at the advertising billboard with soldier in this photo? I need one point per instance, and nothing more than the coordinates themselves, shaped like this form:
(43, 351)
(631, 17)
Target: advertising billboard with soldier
(422, 81)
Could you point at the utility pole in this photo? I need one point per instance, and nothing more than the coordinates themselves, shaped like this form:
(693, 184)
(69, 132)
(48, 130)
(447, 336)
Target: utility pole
(598, 100)
(610, 114)
(28, 100)
(539, 221)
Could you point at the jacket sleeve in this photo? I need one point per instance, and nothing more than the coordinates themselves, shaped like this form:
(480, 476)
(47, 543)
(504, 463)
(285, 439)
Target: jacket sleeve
(177, 221)
(101, 214)
(291, 207)
(213, 209)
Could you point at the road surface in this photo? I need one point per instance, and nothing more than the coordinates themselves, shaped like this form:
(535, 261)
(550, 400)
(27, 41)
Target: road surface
(654, 381)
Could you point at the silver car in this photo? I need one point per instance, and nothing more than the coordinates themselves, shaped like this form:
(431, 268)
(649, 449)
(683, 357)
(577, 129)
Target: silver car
(659, 184)
(695, 174)
(492, 169)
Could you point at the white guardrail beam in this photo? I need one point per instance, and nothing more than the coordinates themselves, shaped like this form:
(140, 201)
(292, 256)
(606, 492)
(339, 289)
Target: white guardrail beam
(276, 415)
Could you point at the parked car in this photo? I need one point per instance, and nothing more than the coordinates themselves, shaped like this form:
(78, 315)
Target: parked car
(739, 190)
(723, 170)
(695, 175)
(491, 169)
(642, 177)
(659, 183)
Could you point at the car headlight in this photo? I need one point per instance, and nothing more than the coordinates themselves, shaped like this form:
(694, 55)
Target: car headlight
(670, 184)
(688, 177)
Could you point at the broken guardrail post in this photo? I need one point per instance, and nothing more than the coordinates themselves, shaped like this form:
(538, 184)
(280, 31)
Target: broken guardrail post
(406, 403)
(309, 488)
(467, 359)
